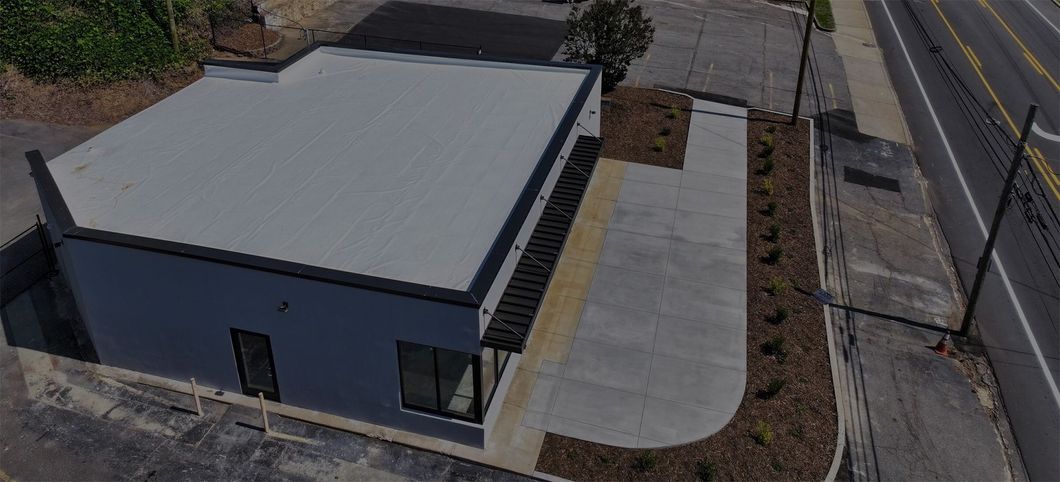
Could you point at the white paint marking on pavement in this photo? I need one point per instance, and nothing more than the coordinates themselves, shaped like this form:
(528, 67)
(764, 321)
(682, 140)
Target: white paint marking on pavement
(1040, 14)
(978, 218)
(1044, 135)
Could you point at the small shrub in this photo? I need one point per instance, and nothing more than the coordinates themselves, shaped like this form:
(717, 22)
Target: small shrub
(779, 316)
(766, 140)
(706, 471)
(763, 434)
(660, 144)
(776, 466)
(766, 152)
(771, 208)
(645, 462)
(774, 232)
(768, 164)
(767, 186)
(777, 286)
(673, 112)
(772, 389)
(665, 131)
(797, 432)
(771, 129)
(774, 347)
(774, 255)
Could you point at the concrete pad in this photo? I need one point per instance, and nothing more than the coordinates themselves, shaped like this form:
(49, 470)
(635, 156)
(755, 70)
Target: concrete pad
(653, 174)
(609, 366)
(625, 288)
(637, 252)
(672, 423)
(704, 386)
(707, 264)
(701, 342)
(585, 431)
(714, 183)
(648, 194)
(617, 326)
(544, 394)
(698, 301)
(730, 162)
(635, 218)
(706, 202)
(598, 406)
(710, 229)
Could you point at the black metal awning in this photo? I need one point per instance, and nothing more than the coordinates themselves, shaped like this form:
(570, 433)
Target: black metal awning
(514, 316)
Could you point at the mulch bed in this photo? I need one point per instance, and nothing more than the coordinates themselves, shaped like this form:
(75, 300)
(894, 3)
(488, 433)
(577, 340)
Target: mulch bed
(635, 118)
(73, 103)
(246, 39)
(802, 414)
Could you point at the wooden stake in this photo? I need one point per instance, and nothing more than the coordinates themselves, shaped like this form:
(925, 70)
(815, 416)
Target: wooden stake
(264, 414)
(195, 393)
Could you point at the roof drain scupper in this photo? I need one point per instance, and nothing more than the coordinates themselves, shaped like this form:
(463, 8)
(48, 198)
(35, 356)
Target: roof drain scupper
(521, 300)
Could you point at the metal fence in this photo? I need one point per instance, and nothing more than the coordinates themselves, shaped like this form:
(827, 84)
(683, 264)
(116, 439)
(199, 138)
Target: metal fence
(278, 42)
(25, 259)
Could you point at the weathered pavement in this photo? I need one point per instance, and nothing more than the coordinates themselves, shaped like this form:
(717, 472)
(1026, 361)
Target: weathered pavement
(910, 414)
(61, 421)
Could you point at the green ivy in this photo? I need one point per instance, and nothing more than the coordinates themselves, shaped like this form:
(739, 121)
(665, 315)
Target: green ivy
(91, 40)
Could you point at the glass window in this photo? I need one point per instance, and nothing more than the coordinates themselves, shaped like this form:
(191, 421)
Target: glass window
(456, 382)
(489, 370)
(254, 362)
(438, 380)
(417, 375)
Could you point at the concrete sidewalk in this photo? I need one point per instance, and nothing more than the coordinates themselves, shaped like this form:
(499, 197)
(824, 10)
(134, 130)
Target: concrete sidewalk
(909, 413)
(658, 352)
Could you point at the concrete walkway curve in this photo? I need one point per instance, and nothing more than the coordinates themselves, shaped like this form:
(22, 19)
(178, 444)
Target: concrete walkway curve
(658, 352)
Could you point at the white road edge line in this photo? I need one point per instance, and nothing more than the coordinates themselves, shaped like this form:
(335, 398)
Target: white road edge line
(1043, 134)
(978, 217)
(1040, 14)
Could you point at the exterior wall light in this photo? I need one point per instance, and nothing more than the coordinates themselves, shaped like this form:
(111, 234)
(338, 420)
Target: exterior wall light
(283, 307)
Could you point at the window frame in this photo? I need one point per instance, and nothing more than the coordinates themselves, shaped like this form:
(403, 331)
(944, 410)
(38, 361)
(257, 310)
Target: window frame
(237, 349)
(498, 371)
(476, 374)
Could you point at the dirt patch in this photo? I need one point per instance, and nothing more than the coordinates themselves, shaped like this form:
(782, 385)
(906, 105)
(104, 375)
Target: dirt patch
(72, 103)
(800, 415)
(635, 120)
(247, 39)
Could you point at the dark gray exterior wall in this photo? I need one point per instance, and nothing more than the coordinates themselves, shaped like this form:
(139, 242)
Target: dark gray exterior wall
(334, 349)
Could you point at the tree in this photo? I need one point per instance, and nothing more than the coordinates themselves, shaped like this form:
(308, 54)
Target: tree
(610, 33)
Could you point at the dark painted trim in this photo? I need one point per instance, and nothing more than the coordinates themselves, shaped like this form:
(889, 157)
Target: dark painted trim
(274, 395)
(505, 241)
(49, 191)
(483, 279)
(271, 265)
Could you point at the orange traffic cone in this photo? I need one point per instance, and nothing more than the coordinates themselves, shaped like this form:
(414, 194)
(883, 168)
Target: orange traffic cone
(943, 346)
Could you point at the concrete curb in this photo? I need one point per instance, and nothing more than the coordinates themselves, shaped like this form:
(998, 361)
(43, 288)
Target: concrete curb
(840, 440)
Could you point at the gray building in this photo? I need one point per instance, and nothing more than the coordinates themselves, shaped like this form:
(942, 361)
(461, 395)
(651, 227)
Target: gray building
(359, 232)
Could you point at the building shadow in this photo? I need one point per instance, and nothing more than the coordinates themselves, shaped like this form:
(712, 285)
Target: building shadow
(44, 318)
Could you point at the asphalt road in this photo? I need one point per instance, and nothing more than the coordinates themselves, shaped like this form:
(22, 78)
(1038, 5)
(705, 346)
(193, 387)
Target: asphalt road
(965, 72)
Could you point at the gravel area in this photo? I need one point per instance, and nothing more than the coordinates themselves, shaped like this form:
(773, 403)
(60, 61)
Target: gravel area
(635, 119)
(801, 415)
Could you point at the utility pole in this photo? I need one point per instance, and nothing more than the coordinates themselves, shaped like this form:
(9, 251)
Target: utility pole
(802, 61)
(984, 261)
(172, 24)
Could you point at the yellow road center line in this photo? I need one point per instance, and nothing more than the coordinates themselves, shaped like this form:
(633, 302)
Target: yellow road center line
(706, 81)
(832, 90)
(975, 58)
(1027, 52)
(1048, 167)
(993, 95)
(1030, 60)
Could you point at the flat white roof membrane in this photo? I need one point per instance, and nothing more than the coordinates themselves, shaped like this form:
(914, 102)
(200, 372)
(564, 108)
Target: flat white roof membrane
(392, 165)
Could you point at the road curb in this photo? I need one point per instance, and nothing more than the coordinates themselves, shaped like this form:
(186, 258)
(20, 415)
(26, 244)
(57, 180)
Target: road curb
(840, 440)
